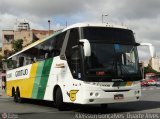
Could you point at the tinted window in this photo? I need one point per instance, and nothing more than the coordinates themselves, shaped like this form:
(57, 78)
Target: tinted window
(48, 49)
(72, 41)
(108, 35)
(73, 54)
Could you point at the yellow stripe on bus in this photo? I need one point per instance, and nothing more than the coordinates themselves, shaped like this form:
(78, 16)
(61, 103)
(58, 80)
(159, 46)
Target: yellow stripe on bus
(25, 85)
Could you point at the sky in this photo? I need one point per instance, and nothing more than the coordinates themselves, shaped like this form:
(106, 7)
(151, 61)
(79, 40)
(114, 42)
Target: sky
(142, 16)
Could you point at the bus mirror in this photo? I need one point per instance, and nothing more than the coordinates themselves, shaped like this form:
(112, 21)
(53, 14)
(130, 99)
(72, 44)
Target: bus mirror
(151, 48)
(86, 47)
(137, 44)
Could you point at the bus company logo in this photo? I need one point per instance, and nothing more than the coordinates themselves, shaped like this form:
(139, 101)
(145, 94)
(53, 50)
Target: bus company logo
(21, 72)
(72, 94)
(4, 116)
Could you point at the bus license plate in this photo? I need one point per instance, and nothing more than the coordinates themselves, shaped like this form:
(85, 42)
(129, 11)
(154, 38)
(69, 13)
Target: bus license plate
(118, 96)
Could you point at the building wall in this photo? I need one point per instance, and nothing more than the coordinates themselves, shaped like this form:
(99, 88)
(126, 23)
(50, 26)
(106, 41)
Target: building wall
(1, 51)
(7, 39)
(155, 63)
(25, 35)
(28, 36)
(40, 34)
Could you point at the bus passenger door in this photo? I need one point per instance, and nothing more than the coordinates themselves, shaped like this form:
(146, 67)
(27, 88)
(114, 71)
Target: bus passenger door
(74, 63)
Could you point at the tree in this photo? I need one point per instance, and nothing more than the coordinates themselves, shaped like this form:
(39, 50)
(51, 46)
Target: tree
(149, 69)
(1, 57)
(7, 53)
(17, 45)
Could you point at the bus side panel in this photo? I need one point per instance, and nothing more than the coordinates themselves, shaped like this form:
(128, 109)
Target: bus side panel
(25, 85)
(38, 75)
(9, 86)
(44, 78)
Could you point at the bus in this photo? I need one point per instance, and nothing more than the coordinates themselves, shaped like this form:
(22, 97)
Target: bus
(85, 63)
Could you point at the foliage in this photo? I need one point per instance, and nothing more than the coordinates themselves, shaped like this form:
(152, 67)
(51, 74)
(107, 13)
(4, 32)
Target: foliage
(17, 45)
(149, 69)
(7, 53)
(1, 57)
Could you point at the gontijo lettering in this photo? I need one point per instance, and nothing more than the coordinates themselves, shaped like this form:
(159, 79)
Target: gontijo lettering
(21, 72)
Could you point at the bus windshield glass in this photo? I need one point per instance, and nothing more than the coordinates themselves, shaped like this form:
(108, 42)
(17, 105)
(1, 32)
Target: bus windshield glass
(113, 55)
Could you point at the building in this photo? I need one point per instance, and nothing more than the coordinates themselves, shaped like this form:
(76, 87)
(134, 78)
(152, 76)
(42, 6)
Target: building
(154, 62)
(0, 51)
(23, 32)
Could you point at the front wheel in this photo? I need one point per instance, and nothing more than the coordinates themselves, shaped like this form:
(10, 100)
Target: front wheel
(59, 99)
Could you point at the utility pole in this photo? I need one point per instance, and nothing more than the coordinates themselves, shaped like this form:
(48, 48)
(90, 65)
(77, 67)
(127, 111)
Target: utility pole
(103, 16)
(66, 24)
(49, 27)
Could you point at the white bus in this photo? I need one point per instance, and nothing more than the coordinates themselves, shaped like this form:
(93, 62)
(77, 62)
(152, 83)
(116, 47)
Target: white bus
(85, 63)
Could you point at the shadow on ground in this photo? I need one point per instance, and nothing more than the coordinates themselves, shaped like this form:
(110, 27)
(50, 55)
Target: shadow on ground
(96, 109)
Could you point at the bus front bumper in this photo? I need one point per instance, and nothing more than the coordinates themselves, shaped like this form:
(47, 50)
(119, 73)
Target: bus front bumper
(102, 97)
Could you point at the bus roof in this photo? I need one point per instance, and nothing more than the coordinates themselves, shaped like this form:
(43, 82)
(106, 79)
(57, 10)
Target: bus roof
(34, 44)
(94, 25)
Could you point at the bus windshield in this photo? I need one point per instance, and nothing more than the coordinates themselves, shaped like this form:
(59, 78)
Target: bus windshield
(111, 59)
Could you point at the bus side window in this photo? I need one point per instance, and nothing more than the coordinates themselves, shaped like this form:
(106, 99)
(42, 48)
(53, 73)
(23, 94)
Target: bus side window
(10, 64)
(46, 55)
(21, 61)
(58, 43)
(28, 60)
(14, 63)
(72, 41)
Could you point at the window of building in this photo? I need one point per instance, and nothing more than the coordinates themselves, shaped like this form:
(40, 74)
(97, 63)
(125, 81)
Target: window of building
(8, 38)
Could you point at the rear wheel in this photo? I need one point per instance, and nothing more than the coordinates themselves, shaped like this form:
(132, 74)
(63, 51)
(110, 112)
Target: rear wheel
(15, 97)
(59, 99)
(18, 97)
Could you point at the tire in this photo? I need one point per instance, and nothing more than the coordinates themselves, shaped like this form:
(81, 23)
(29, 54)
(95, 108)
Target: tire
(15, 97)
(18, 97)
(59, 99)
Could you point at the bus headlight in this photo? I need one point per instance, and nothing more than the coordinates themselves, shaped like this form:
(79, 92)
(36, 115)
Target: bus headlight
(96, 94)
(136, 92)
(91, 93)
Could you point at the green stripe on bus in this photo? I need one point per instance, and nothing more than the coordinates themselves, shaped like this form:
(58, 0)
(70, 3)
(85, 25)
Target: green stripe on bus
(37, 79)
(44, 78)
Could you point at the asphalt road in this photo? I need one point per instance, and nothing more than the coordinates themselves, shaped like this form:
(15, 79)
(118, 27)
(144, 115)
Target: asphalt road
(149, 103)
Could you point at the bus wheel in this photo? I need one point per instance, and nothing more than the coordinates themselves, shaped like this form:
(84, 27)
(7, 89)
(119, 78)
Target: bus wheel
(15, 97)
(59, 99)
(19, 99)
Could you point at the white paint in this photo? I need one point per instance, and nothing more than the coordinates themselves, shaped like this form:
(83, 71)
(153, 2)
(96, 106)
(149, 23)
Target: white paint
(19, 73)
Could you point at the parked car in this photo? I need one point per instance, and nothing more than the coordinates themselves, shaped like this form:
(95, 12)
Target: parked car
(144, 83)
(152, 82)
(151, 79)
